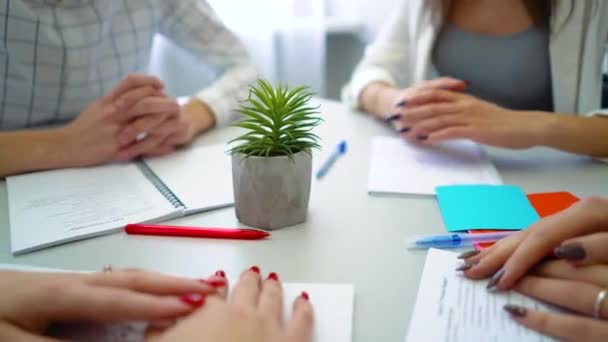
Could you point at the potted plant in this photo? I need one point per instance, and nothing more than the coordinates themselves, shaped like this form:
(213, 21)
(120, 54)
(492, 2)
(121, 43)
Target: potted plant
(272, 164)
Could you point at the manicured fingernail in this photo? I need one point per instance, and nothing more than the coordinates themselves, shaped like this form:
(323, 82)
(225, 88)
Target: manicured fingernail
(305, 295)
(400, 103)
(423, 137)
(466, 266)
(214, 282)
(404, 130)
(273, 276)
(495, 279)
(515, 310)
(571, 251)
(255, 269)
(392, 117)
(195, 300)
(468, 254)
(220, 273)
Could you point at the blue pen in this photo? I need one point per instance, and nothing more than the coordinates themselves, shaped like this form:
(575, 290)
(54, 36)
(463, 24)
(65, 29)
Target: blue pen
(340, 150)
(455, 240)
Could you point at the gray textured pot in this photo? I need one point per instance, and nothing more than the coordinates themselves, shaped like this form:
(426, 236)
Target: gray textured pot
(271, 192)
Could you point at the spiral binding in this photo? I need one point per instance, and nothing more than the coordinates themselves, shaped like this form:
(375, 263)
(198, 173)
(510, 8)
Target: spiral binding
(160, 186)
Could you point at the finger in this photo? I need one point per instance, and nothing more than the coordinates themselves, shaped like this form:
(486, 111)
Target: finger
(154, 283)
(247, 291)
(271, 300)
(145, 124)
(444, 83)
(132, 81)
(564, 327)
(452, 133)
(432, 95)
(140, 148)
(574, 295)
(412, 115)
(560, 269)
(130, 98)
(543, 237)
(585, 250)
(110, 304)
(9, 332)
(300, 326)
(153, 105)
(429, 126)
(492, 259)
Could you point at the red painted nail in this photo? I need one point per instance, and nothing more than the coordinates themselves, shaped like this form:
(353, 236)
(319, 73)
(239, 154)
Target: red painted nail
(195, 300)
(273, 276)
(214, 282)
(304, 295)
(220, 273)
(255, 269)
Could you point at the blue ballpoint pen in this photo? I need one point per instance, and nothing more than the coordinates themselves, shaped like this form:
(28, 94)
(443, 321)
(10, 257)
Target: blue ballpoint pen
(340, 150)
(455, 240)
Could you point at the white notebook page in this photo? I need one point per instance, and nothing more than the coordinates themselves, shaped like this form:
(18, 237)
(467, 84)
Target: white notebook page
(452, 308)
(333, 309)
(398, 166)
(52, 207)
(201, 177)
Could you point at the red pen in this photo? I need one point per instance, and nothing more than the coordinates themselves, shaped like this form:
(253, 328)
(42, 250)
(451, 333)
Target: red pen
(200, 232)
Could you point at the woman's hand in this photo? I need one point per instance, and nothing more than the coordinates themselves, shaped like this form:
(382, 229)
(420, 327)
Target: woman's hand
(578, 234)
(172, 127)
(254, 313)
(574, 288)
(435, 115)
(35, 300)
(385, 101)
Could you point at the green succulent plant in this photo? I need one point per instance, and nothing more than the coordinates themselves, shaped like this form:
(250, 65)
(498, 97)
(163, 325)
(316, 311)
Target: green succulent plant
(278, 121)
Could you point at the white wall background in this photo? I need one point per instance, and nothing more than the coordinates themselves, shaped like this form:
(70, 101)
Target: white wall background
(288, 40)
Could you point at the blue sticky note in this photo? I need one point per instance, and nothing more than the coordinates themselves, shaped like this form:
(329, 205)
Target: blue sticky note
(470, 207)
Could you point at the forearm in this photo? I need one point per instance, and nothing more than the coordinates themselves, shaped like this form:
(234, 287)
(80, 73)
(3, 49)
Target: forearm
(26, 151)
(584, 135)
(378, 99)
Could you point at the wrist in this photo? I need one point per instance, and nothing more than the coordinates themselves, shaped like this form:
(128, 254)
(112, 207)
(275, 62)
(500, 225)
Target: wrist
(544, 127)
(378, 98)
(199, 115)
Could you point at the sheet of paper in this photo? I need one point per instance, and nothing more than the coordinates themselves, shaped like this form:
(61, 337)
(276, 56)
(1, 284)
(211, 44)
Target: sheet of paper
(400, 167)
(53, 207)
(468, 207)
(201, 177)
(452, 308)
(333, 305)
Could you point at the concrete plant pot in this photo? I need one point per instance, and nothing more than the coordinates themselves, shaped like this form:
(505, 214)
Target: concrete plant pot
(271, 192)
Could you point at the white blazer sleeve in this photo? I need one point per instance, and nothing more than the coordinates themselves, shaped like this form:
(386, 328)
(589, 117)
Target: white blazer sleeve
(386, 59)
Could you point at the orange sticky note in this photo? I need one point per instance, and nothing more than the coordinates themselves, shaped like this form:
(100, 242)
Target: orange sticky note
(545, 204)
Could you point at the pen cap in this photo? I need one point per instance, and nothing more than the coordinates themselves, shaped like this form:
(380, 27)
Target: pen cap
(342, 147)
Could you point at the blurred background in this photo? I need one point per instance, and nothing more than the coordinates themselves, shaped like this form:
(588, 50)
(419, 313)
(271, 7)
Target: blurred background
(313, 42)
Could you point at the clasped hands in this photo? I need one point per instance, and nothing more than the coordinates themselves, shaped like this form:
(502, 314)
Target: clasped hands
(136, 119)
(438, 110)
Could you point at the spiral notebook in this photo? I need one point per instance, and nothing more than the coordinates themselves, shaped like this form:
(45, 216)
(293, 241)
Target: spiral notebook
(54, 207)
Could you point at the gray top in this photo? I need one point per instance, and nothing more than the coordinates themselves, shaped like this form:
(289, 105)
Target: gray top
(513, 71)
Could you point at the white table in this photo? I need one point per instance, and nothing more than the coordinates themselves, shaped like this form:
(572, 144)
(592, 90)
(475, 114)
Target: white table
(350, 237)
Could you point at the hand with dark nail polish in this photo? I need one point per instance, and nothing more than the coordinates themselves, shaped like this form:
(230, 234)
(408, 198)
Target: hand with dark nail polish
(495, 279)
(468, 254)
(572, 251)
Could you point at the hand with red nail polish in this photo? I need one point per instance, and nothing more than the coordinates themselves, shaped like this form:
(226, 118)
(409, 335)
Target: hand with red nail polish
(253, 313)
(33, 301)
